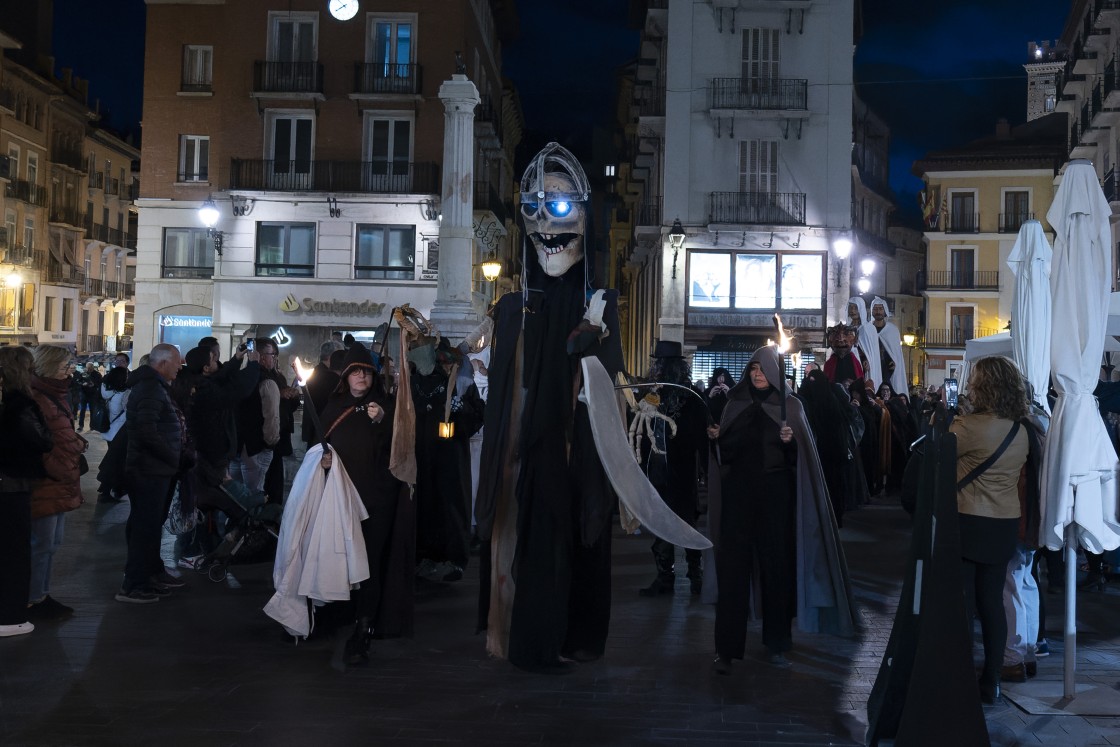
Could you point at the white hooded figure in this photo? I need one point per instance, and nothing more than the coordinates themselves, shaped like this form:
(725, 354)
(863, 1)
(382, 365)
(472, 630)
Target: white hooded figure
(891, 345)
(867, 340)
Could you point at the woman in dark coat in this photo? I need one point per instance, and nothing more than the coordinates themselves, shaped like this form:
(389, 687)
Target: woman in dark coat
(716, 394)
(24, 439)
(110, 473)
(872, 416)
(770, 518)
(358, 425)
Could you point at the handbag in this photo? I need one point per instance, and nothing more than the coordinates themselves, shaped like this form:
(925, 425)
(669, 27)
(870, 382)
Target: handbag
(101, 422)
(83, 464)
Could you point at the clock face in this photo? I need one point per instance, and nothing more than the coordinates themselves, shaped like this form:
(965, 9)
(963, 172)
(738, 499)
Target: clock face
(343, 10)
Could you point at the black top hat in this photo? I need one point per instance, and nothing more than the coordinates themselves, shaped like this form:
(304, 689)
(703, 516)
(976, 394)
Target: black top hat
(667, 349)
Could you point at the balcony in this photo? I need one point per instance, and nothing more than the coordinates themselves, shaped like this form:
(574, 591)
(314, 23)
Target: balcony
(649, 211)
(961, 222)
(988, 280)
(299, 78)
(488, 124)
(60, 274)
(954, 338)
(386, 78)
(8, 100)
(25, 191)
(1012, 222)
(192, 82)
(71, 216)
(133, 190)
(94, 343)
(97, 232)
(112, 187)
(377, 177)
(71, 158)
(758, 208)
(759, 93)
(115, 236)
(652, 103)
(91, 287)
(97, 180)
(25, 256)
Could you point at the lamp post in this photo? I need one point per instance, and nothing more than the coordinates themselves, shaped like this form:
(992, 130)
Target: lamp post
(491, 267)
(911, 341)
(842, 246)
(676, 240)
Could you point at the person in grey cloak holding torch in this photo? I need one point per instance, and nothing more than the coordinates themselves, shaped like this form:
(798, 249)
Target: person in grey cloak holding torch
(552, 465)
(777, 547)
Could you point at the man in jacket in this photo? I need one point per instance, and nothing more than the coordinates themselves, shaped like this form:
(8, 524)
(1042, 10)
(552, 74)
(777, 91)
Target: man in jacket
(323, 381)
(155, 443)
(287, 405)
(258, 423)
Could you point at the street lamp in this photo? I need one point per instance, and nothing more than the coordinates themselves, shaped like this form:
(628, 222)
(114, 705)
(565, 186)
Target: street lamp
(209, 215)
(491, 267)
(842, 247)
(676, 240)
(910, 340)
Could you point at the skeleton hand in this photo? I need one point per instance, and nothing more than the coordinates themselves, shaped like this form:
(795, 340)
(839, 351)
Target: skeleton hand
(642, 425)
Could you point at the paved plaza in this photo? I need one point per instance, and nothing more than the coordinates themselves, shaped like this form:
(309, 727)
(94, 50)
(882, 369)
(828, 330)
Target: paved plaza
(206, 667)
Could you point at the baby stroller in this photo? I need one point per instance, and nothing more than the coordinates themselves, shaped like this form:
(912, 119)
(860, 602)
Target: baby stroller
(252, 525)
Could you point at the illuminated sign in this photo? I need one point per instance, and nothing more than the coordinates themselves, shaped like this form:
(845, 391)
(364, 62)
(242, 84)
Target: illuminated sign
(291, 305)
(282, 338)
(196, 322)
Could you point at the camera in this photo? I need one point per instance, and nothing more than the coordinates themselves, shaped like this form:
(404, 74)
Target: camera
(952, 389)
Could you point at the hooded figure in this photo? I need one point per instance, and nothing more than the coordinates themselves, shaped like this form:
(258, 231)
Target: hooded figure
(770, 517)
(866, 339)
(544, 502)
(893, 365)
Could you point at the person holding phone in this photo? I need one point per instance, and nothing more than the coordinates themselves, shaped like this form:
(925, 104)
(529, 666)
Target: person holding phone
(988, 499)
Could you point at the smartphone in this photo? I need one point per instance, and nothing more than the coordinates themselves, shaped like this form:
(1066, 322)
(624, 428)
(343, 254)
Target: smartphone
(250, 345)
(952, 388)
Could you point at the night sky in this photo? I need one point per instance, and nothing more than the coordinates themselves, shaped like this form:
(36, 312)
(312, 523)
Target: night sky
(939, 74)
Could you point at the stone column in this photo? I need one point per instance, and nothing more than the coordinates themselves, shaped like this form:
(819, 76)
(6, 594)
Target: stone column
(453, 311)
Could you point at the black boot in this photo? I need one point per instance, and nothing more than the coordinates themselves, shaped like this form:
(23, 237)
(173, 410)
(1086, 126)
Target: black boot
(352, 650)
(695, 571)
(663, 559)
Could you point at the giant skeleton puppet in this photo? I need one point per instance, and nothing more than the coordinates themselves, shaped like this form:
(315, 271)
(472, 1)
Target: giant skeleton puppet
(552, 463)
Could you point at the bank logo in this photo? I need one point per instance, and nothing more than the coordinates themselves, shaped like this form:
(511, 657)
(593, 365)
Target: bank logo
(289, 303)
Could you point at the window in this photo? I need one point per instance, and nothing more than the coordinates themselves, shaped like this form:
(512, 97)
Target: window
(48, 314)
(197, 67)
(961, 321)
(10, 228)
(286, 249)
(962, 267)
(752, 280)
(187, 253)
(293, 37)
(962, 215)
(33, 168)
(1016, 209)
(194, 158)
(609, 170)
(756, 282)
(389, 145)
(387, 252)
(13, 157)
(290, 150)
(67, 319)
(29, 233)
(391, 46)
(760, 64)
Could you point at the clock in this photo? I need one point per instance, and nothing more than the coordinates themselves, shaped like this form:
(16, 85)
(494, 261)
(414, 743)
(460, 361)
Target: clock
(343, 10)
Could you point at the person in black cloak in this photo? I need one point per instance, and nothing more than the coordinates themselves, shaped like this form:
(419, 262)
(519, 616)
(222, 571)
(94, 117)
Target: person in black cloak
(770, 520)
(443, 465)
(829, 424)
(669, 461)
(718, 386)
(544, 502)
(358, 424)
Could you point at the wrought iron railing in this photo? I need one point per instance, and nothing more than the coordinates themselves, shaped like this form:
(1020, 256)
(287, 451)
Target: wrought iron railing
(24, 190)
(759, 93)
(1012, 222)
(70, 157)
(173, 271)
(961, 222)
(379, 177)
(954, 338)
(385, 77)
(69, 215)
(287, 77)
(649, 211)
(766, 208)
(955, 280)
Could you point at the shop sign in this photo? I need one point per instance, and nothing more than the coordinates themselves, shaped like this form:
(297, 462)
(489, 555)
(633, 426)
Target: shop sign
(197, 322)
(333, 306)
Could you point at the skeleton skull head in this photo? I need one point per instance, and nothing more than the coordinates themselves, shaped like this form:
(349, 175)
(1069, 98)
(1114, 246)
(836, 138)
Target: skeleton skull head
(554, 193)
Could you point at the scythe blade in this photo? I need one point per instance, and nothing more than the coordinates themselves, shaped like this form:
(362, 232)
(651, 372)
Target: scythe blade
(630, 483)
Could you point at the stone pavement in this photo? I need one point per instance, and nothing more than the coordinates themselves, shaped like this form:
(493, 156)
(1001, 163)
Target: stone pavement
(207, 667)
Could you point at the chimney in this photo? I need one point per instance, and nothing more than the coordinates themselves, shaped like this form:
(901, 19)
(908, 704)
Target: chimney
(1003, 129)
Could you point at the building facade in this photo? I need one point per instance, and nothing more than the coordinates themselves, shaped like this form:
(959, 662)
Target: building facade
(976, 198)
(66, 207)
(740, 128)
(319, 140)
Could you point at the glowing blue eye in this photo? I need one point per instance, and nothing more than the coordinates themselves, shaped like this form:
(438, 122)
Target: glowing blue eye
(560, 208)
(530, 208)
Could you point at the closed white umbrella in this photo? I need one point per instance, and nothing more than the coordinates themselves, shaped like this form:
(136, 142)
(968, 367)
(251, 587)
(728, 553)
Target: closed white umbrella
(1079, 469)
(1031, 308)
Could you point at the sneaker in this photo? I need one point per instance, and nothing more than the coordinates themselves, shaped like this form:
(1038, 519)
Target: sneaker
(778, 659)
(193, 563)
(1042, 648)
(166, 580)
(48, 609)
(139, 595)
(454, 573)
(18, 629)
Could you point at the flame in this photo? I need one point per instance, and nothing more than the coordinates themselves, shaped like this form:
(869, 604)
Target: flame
(784, 340)
(303, 374)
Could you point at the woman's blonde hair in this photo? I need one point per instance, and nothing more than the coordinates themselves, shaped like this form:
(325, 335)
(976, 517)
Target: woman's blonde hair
(16, 362)
(48, 358)
(996, 386)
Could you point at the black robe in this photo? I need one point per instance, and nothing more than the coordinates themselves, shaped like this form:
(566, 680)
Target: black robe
(544, 459)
